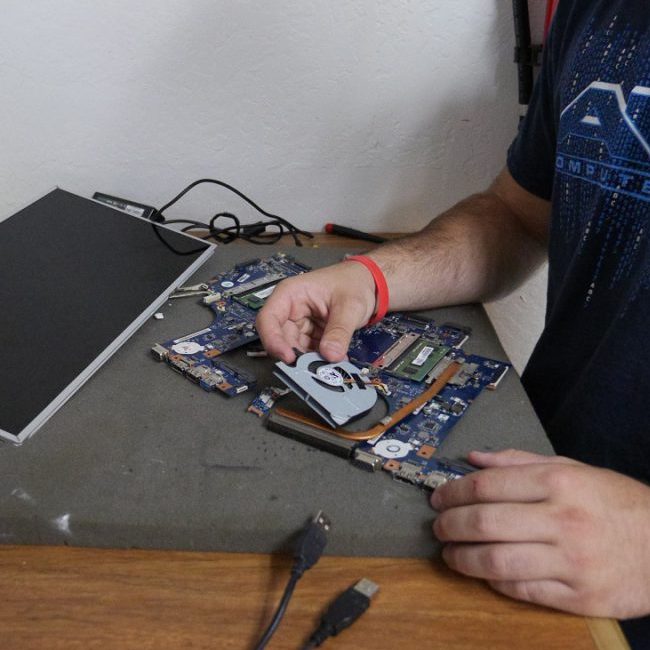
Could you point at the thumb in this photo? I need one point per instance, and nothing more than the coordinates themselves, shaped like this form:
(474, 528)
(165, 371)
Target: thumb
(513, 457)
(345, 316)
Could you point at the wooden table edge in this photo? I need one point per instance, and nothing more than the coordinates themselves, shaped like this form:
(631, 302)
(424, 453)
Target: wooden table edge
(605, 633)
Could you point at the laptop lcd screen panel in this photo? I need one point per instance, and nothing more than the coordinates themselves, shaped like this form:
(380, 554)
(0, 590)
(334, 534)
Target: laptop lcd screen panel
(77, 278)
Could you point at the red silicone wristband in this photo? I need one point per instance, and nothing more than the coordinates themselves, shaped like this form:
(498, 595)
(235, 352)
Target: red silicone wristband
(381, 287)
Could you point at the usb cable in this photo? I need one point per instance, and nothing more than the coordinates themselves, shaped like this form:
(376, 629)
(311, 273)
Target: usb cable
(309, 548)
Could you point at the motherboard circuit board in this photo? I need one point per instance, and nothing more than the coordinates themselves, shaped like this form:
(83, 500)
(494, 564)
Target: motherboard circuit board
(234, 297)
(423, 378)
(403, 356)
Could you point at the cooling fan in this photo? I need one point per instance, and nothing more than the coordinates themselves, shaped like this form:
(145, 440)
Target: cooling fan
(338, 392)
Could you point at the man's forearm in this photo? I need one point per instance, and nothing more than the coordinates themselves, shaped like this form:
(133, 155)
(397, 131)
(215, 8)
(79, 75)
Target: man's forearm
(477, 250)
(480, 248)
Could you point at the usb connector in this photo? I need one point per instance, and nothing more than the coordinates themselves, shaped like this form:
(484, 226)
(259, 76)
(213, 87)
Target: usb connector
(366, 587)
(344, 611)
(311, 543)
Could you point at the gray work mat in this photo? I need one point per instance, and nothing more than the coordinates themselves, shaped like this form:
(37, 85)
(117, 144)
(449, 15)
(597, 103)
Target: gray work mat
(141, 457)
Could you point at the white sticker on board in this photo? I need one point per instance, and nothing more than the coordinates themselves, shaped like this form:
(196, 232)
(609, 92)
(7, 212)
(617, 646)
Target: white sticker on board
(265, 293)
(424, 354)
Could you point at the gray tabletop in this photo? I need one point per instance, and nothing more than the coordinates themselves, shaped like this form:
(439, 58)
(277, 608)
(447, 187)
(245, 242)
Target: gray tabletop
(141, 457)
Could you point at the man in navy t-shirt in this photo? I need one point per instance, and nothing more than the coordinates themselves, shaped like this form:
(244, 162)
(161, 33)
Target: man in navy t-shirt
(560, 531)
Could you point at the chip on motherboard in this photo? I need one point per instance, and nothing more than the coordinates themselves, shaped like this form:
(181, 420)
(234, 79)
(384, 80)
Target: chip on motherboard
(418, 361)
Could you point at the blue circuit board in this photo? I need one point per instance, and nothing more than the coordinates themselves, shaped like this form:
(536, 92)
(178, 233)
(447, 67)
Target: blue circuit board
(370, 343)
(234, 297)
(266, 399)
(409, 449)
(389, 354)
(401, 355)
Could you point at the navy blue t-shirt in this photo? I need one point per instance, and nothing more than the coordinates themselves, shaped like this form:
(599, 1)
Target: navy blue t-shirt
(585, 145)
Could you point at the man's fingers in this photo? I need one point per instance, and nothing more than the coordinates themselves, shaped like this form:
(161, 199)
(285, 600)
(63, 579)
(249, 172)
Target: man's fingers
(550, 593)
(270, 324)
(312, 329)
(343, 320)
(496, 522)
(275, 340)
(513, 457)
(505, 562)
(307, 343)
(497, 484)
(333, 302)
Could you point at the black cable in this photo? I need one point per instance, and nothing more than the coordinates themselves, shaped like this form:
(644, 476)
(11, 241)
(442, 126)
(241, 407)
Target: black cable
(281, 609)
(343, 611)
(222, 235)
(254, 233)
(309, 548)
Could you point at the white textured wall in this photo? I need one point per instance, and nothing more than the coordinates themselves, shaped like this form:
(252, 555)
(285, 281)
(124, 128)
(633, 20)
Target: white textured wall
(376, 114)
(519, 318)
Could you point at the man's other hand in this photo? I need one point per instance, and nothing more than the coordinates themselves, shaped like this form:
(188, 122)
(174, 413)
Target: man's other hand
(317, 311)
(551, 531)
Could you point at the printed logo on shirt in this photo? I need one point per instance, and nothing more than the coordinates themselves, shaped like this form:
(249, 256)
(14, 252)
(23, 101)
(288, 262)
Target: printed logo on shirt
(601, 188)
(605, 139)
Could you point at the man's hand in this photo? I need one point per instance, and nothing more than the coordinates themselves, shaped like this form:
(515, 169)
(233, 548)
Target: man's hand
(479, 249)
(550, 530)
(317, 311)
